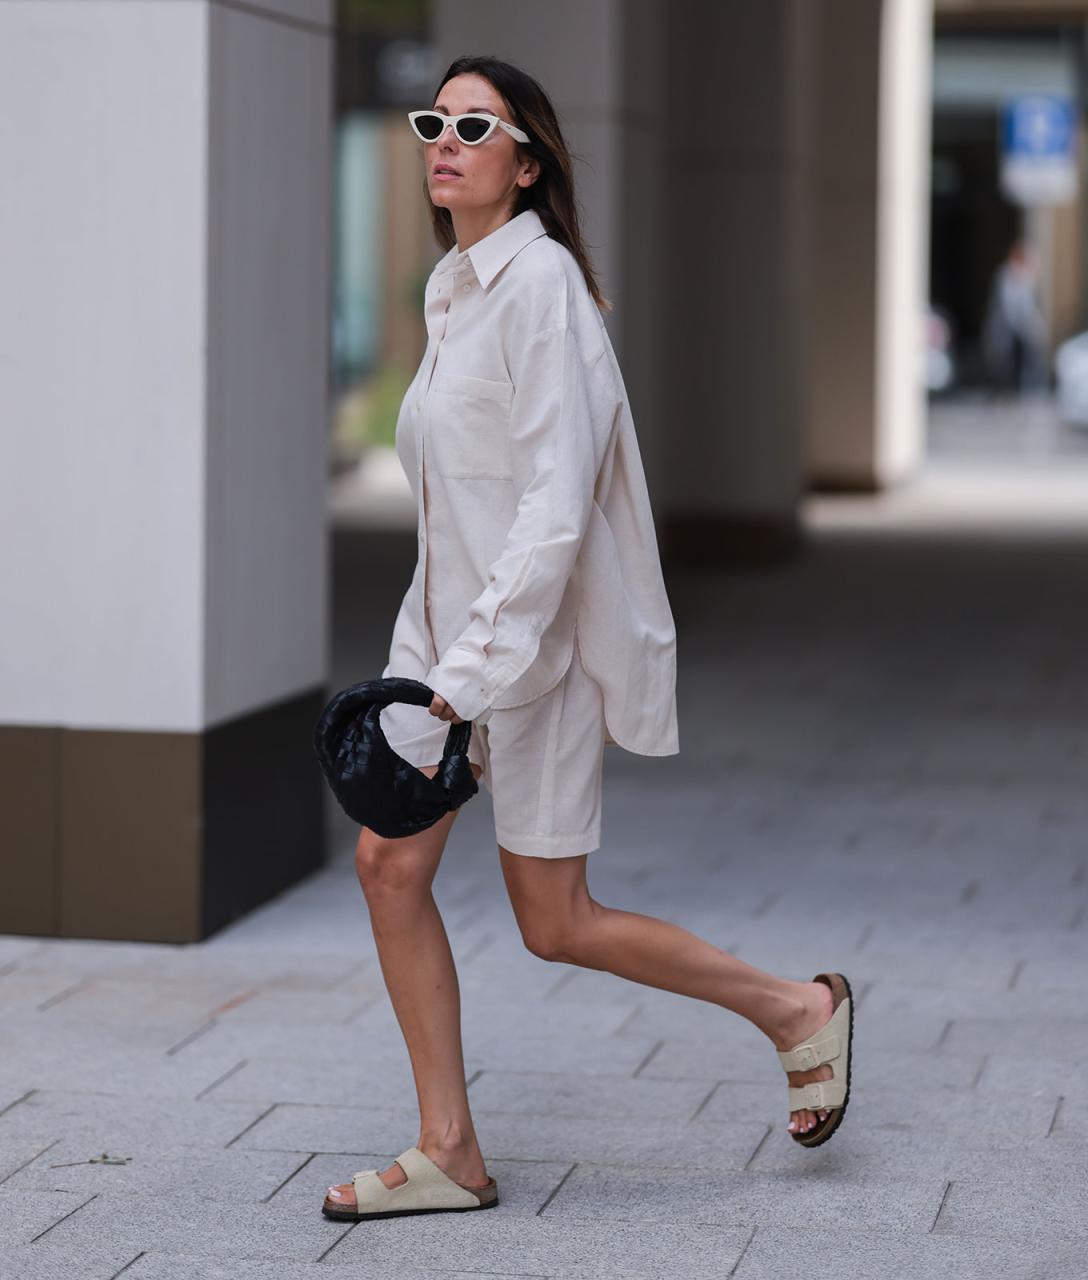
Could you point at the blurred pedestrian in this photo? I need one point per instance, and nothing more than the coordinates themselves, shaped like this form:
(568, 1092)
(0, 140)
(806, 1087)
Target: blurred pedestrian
(1015, 335)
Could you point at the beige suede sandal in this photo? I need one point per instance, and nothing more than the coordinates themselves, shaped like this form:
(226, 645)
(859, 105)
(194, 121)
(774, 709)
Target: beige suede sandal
(428, 1190)
(832, 1043)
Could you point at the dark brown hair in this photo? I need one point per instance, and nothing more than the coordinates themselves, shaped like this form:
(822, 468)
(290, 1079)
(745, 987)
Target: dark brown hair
(552, 194)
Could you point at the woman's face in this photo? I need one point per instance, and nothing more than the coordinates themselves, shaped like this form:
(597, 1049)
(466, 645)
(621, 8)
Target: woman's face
(486, 174)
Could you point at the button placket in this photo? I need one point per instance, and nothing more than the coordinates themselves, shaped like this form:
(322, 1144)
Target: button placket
(422, 514)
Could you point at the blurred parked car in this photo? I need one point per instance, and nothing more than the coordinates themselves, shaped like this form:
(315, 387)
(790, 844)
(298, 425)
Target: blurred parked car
(1071, 370)
(939, 372)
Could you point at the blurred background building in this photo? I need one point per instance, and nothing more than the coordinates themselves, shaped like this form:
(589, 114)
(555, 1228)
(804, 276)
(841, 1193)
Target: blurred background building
(844, 239)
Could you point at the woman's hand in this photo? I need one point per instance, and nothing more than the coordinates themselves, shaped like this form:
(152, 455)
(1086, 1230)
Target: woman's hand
(441, 708)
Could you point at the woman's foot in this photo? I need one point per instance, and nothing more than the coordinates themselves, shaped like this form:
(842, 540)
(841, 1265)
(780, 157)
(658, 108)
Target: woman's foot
(817, 1008)
(461, 1163)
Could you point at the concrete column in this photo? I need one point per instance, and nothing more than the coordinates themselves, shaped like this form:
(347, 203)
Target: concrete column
(865, 145)
(164, 242)
(735, 95)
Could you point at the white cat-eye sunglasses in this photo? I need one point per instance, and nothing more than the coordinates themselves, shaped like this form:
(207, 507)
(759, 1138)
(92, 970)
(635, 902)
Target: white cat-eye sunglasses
(472, 128)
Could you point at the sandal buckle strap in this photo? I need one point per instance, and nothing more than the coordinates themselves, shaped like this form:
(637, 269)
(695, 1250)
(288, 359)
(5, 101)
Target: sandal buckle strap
(821, 1095)
(813, 1053)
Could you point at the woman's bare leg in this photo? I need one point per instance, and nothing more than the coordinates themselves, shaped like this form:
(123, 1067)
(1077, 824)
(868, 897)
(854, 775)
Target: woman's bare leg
(560, 921)
(419, 972)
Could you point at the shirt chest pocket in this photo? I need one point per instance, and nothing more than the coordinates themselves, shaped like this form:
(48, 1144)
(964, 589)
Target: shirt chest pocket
(470, 426)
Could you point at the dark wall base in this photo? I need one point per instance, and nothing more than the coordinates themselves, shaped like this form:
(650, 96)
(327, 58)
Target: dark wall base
(157, 837)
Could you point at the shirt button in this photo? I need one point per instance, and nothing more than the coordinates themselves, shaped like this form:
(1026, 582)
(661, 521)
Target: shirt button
(466, 288)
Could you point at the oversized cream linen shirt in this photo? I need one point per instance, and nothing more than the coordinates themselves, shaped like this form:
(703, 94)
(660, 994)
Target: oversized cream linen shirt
(517, 438)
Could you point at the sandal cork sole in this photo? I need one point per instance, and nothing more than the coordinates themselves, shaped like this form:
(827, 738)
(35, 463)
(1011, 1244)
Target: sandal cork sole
(840, 991)
(349, 1215)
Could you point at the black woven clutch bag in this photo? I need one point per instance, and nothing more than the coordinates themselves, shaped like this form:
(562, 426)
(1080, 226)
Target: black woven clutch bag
(374, 786)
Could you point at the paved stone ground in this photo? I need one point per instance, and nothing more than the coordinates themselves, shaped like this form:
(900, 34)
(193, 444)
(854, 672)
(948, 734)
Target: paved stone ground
(882, 771)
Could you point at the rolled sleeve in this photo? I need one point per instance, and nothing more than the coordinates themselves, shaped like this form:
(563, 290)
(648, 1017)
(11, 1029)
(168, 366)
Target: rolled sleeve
(557, 439)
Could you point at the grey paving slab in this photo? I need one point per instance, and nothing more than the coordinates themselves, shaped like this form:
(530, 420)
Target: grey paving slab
(371, 1081)
(609, 1056)
(27, 1214)
(45, 1261)
(560, 1246)
(240, 1172)
(222, 1228)
(948, 965)
(645, 1194)
(992, 1200)
(15, 949)
(288, 1008)
(895, 1254)
(51, 1026)
(1056, 975)
(233, 1040)
(1039, 1075)
(488, 1015)
(549, 1093)
(1069, 1119)
(105, 1122)
(178, 1266)
(1050, 1035)
(104, 958)
(957, 1155)
(66, 1058)
(15, 1087)
(172, 1001)
(28, 994)
(15, 1153)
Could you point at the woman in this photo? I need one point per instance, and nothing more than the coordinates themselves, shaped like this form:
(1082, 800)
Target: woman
(538, 612)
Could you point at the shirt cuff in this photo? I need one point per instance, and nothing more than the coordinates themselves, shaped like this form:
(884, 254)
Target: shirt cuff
(462, 691)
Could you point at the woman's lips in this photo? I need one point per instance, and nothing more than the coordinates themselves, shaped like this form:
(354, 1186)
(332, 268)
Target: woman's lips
(440, 175)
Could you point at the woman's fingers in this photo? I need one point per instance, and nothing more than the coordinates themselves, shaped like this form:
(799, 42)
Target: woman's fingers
(441, 708)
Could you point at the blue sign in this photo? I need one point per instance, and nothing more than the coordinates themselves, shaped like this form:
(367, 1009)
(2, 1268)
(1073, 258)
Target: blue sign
(1038, 149)
(1039, 125)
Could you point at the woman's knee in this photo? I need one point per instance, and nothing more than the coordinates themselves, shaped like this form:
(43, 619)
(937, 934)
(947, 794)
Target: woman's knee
(560, 937)
(402, 865)
(392, 867)
(549, 944)
(552, 905)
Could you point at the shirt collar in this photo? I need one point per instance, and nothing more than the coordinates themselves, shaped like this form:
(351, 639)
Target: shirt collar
(489, 255)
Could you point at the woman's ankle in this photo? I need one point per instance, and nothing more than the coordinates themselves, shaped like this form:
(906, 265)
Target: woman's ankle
(448, 1137)
(786, 1013)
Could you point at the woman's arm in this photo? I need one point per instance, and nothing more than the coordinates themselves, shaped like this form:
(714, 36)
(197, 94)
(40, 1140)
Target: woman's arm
(561, 419)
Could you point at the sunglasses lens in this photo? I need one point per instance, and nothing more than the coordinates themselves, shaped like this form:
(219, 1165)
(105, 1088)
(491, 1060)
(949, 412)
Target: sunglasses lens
(472, 130)
(430, 125)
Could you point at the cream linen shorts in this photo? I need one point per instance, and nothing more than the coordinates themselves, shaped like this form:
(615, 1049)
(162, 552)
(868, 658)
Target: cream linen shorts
(542, 762)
